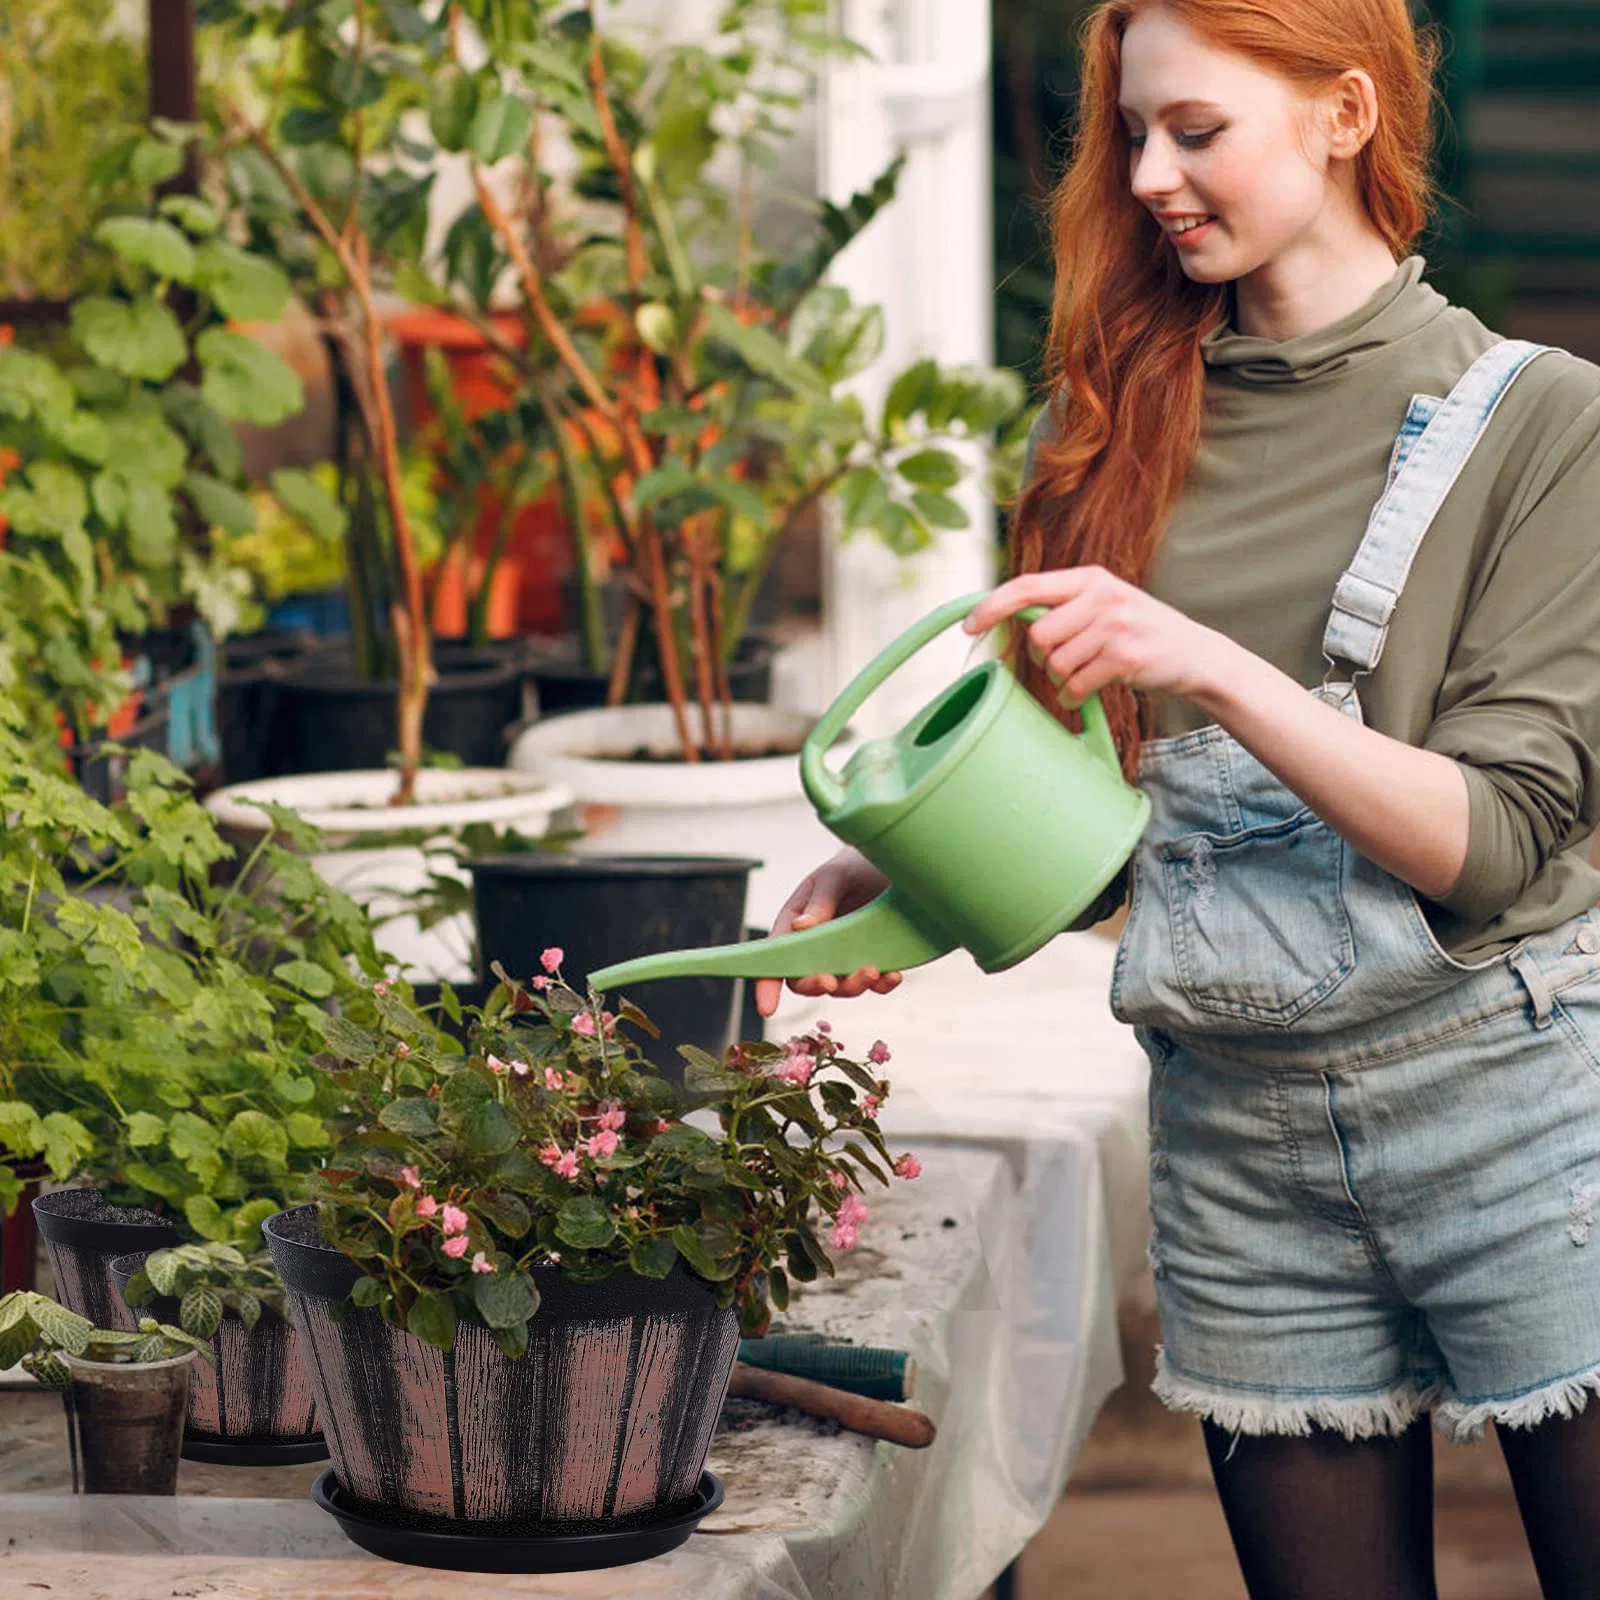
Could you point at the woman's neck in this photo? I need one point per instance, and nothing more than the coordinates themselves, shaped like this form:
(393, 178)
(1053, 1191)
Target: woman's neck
(1312, 285)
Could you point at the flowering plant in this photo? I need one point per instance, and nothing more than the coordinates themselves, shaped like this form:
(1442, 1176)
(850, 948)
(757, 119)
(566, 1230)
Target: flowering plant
(553, 1143)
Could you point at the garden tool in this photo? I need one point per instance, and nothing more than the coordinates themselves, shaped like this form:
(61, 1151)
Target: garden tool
(875, 1418)
(873, 1373)
(996, 827)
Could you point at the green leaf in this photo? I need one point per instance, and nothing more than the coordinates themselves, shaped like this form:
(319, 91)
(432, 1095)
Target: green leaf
(203, 426)
(487, 1130)
(764, 354)
(349, 1041)
(198, 217)
(413, 1116)
(432, 1319)
(500, 127)
(507, 1212)
(688, 1245)
(245, 1223)
(150, 242)
(367, 1292)
(305, 1131)
(939, 510)
(452, 105)
(244, 380)
(302, 125)
(658, 327)
(585, 1224)
(245, 287)
(302, 496)
(200, 1311)
(307, 977)
(143, 1128)
(930, 469)
(254, 1136)
(862, 497)
(909, 393)
(67, 1143)
(778, 1287)
(163, 1267)
(513, 1342)
(204, 1215)
(654, 1257)
(154, 162)
(219, 504)
(53, 502)
(504, 1299)
(139, 338)
(139, 1290)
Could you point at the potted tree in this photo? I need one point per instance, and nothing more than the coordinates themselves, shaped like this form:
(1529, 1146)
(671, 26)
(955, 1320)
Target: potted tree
(537, 1224)
(124, 1390)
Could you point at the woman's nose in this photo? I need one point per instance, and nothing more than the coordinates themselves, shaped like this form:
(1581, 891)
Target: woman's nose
(1155, 173)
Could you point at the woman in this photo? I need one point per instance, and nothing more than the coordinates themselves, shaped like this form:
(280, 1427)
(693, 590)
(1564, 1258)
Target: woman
(1361, 951)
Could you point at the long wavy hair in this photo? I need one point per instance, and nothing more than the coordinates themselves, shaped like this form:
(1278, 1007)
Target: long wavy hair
(1123, 360)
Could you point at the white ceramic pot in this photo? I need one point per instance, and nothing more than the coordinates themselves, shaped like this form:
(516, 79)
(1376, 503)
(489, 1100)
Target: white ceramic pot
(753, 807)
(348, 806)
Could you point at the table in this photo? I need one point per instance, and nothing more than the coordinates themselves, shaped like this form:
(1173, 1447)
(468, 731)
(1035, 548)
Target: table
(999, 1269)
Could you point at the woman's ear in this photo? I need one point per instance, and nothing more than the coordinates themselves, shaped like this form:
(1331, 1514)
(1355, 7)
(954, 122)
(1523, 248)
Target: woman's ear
(1352, 111)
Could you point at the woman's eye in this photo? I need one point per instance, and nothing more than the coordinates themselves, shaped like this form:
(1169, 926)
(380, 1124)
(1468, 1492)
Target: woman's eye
(1136, 141)
(1198, 141)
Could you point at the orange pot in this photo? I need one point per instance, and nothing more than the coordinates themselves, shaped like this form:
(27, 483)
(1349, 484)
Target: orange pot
(458, 579)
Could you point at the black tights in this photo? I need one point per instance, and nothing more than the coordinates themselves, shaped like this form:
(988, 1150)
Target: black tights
(1325, 1519)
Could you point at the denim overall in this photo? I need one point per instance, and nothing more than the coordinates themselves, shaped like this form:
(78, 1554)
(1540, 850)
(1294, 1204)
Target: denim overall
(1373, 1167)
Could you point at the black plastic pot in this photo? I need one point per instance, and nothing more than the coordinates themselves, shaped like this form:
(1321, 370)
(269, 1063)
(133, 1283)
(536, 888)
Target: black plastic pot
(83, 1233)
(248, 704)
(602, 1426)
(127, 1422)
(333, 722)
(605, 909)
(562, 682)
(254, 1407)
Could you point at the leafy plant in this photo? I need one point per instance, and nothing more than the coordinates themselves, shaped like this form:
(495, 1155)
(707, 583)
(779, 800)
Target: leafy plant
(553, 1142)
(34, 1330)
(208, 1280)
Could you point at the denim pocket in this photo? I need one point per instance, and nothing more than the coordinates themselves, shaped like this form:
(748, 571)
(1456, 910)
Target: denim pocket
(1260, 930)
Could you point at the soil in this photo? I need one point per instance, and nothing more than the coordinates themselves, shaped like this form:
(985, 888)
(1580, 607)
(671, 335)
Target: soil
(301, 1227)
(89, 1205)
(645, 755)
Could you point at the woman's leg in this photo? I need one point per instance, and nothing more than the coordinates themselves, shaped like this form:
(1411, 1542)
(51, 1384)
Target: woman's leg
(1325, 1518)
(1555, 1469)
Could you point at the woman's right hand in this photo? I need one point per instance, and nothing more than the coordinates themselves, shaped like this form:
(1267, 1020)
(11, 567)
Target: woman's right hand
(842, 884)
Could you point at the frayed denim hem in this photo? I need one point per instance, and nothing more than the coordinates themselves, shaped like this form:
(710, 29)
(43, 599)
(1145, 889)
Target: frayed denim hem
(1462, 1423)
(1387, 1413)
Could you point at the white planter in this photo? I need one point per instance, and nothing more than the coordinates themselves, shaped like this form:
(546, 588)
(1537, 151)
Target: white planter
(350, 805)
(752, 808)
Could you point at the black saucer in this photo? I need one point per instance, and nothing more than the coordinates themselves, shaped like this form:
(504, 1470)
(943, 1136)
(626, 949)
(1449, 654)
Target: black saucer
(551, 1552)
(265, 1453)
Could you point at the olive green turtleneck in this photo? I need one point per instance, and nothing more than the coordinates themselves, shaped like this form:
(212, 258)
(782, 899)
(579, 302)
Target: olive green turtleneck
(1493, 656)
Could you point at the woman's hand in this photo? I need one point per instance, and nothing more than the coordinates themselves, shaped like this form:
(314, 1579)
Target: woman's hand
(1100, 630)
(842, 884)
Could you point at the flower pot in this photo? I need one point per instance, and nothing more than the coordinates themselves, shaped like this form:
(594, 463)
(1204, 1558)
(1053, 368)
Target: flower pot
(249, 723)
(753, 807)
(602, 1425)
(351, 806)
(83, 1233)
(254, 1407)
(19, 1233)
(605, 909)
(452, 596)
(564, 683)
(127, 1422)
(332, 721)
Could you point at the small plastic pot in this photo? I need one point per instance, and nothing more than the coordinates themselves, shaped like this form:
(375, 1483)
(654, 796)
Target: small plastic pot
(127, 1422)
(83, 1232)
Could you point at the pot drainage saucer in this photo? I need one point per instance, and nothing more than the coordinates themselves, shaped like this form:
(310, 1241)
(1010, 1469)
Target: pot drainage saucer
(515, 1552)
(256, 1453)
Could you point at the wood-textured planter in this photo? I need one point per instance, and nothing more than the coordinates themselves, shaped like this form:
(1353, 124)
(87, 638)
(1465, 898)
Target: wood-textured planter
(604, 1422)
(254, 1408)
(83, 1233)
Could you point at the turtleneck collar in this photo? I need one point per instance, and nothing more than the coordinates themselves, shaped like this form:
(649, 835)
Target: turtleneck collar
(1401, 307)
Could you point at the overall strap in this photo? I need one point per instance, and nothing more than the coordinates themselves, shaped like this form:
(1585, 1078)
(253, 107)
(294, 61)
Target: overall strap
(1370, 589)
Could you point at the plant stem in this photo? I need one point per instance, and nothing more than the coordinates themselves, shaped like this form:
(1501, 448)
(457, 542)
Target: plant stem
(591, 616)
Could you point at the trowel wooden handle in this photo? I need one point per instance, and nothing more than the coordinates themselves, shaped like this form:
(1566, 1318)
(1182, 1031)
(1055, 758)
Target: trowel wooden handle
(878, 1419)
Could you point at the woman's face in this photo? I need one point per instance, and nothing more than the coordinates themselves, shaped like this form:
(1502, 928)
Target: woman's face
(1230, 159)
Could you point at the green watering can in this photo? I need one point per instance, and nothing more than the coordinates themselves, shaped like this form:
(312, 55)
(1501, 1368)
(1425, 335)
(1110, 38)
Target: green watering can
(996, 827)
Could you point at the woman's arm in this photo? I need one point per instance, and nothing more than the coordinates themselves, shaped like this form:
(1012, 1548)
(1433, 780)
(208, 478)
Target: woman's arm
(1406, 809)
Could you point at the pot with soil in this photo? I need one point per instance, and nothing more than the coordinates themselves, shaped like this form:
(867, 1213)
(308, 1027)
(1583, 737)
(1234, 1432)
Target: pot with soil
(248, 705)
(126, 1420)
(83, 1233)
(253, 1407)
(383, 854)
(588, 1450)
(563, 682)
(606, 909)
(333, 720)
(636, 796)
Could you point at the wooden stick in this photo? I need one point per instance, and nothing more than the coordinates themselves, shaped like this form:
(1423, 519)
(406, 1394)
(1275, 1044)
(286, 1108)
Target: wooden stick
(877, 1419)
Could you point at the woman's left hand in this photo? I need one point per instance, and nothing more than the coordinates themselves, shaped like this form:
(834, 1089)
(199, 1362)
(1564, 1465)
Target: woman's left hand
(1101, 630)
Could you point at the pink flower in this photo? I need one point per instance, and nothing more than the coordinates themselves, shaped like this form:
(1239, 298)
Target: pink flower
(603, 1144)
(824, 1027)
(410, 1177)
(567, 1166)
(908, 1166)
(454, 1220)
(662, 1124)
(381, 986)
(843, 1236)
(583, 1023)
(402, 1049)
(457, 1247)
(838, 1180)
(552, 958)
(496, 1065)
(553, 1079)
(481, 1262)
(555, 1258)
(520, 1068)
(612, 1116)
(427, 1206)
(797, 1070)
(852, 1210)
(540, 983)
(878, 1054)
(550, 1155)
(870, 1104)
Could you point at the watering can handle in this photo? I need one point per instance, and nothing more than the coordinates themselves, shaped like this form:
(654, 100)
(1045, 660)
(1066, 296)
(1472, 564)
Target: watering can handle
(823, 787)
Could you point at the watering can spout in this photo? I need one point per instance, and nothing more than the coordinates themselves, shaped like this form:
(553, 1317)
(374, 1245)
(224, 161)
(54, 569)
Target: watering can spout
(888, 934)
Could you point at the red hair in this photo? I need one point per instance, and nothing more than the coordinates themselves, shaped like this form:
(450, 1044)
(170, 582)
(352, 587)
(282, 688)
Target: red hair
(1123, 358)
